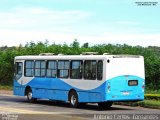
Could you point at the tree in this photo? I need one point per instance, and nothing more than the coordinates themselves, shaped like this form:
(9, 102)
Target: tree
(75, 44)
(85, 45)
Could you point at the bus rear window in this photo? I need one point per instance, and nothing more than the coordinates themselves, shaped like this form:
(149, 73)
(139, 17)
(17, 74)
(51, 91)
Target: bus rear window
(132, 82)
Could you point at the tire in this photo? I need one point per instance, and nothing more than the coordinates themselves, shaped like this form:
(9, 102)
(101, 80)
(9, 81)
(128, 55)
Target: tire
(30, 96)
(105, 105)
(73, 99)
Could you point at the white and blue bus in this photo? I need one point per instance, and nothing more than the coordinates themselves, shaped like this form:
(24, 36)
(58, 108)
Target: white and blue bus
(76, 79)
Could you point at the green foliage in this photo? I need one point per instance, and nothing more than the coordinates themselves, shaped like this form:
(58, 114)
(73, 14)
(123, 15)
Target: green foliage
(6, 87)
(151, 56)
(150, 103)
(145, 103)
(149, 90)
(152, 96)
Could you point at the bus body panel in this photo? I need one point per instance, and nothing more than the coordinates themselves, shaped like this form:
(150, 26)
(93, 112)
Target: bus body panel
(56, 89)
(119, 72)
(119, 89)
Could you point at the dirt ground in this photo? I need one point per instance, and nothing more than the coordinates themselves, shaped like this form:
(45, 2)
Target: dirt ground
(8, 92)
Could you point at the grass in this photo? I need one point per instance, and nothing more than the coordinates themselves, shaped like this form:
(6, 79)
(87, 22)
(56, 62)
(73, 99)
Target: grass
(145, 103)
(151, 103)
(147, 91)
(152, 97)
(6, 87)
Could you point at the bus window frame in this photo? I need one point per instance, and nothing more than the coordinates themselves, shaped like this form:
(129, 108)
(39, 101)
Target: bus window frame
(16, 70)
(29, 68)
(80, 68)
(85, 78)
(40, 68)
(58, 70)
(101, 68)
(47, 68)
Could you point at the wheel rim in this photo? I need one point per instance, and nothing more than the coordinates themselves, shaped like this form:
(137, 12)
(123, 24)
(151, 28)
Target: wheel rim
(30, 95)
(73, 100)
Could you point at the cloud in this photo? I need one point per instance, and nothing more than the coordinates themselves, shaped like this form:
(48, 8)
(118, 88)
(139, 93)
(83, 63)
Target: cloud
(36, 18)
(127, 22)
(16, 37)
(130, 39)
(53, 13)
(20, 25)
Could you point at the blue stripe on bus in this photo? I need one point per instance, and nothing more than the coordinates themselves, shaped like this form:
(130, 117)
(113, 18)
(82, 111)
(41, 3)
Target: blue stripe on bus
(56, 89)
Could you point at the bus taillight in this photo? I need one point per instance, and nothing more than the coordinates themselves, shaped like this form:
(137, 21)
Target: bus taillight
(143, 86)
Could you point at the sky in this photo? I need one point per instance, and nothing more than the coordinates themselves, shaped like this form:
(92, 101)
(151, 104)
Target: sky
(92, 21)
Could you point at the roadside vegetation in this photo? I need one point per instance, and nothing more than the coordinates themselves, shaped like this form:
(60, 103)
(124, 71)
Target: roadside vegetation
(6, 87)
(146, 103)
(151, 101)
(150, 104)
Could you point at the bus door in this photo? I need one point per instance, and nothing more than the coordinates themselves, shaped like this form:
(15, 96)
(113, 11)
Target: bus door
(18, 77)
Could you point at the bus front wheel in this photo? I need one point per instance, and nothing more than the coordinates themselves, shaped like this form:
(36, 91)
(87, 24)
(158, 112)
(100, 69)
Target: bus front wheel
(105, 105)
(73, 99)
(30, 96)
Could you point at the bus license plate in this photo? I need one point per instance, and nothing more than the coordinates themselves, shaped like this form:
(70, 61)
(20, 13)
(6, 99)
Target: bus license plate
(126, 93)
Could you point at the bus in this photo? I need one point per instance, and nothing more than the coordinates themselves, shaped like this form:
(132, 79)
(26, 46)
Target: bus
(77, 79)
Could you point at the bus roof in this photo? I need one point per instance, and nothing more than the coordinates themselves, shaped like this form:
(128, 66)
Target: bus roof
(73, 57)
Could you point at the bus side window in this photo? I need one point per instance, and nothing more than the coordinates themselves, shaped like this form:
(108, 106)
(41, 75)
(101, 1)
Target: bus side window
(51, 68)
(19, 70)
(100, 70)
(40, 68)
(90, 67)
(76, 69)
(63, 69)
(29, 68)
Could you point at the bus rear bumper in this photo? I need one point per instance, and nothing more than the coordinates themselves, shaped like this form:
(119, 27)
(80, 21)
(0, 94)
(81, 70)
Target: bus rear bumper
(119, 98)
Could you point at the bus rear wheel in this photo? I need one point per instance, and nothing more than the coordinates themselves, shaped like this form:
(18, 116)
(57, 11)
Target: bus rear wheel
(105, 105)
(30, 96)
(73, 99)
